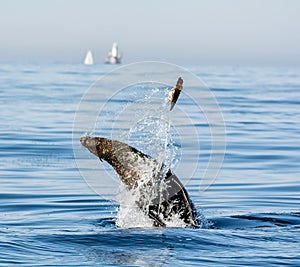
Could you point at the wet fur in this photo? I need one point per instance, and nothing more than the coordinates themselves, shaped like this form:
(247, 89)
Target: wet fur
(131, 165)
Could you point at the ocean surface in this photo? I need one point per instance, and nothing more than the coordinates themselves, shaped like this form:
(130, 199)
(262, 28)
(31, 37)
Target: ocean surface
(52, 215)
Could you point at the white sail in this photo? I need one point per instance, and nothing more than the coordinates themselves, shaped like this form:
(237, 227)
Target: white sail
(89, 58)
(114, 56)
(114, 50)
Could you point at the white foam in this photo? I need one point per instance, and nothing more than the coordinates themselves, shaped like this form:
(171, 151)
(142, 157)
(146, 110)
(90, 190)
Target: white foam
(129, 214)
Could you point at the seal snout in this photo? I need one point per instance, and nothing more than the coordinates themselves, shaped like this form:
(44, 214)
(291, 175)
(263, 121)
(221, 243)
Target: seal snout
(85, 140)
(90, 143)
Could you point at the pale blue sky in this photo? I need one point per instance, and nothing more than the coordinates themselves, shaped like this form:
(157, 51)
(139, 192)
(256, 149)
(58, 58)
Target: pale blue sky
(264, 32)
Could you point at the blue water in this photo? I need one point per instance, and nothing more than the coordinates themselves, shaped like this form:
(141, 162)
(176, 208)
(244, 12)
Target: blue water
(49, 216)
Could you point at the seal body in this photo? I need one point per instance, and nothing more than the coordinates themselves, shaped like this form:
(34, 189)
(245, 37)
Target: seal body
(161, 194)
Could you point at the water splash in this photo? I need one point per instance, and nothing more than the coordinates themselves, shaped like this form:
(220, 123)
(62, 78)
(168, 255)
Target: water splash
(129, 214)
(135, 206)
(151, 133)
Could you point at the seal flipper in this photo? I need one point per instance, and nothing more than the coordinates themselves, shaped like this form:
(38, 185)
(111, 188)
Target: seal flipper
(175, 92)
(175, 97)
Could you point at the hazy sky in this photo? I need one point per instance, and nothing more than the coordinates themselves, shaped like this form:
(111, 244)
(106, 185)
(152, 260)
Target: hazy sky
(202, 32)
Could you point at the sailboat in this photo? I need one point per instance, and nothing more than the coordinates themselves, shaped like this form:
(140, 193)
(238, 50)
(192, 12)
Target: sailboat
(113, 55)
(89, 58)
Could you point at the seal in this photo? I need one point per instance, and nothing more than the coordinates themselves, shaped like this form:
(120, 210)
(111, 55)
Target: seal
(140, 171)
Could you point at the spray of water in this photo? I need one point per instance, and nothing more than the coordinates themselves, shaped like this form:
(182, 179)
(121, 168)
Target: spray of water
(151, 133)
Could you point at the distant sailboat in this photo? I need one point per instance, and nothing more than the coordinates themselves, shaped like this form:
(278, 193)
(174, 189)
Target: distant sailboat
(113, 55)
(89, 58)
